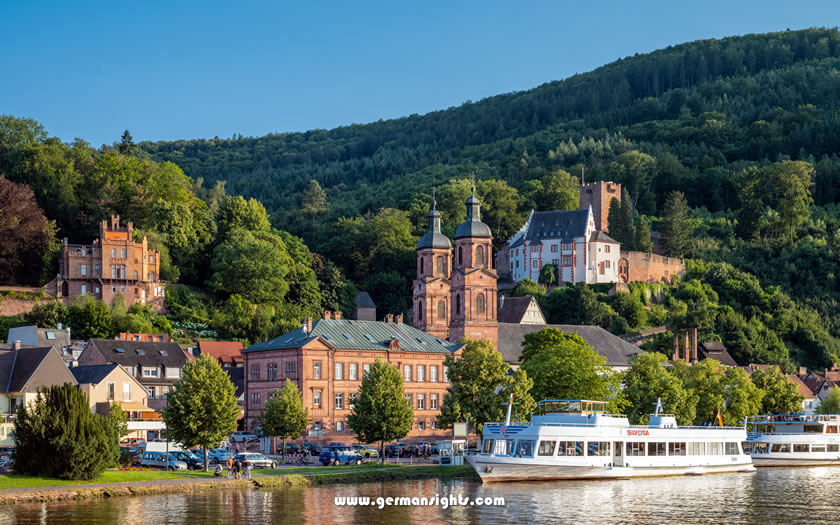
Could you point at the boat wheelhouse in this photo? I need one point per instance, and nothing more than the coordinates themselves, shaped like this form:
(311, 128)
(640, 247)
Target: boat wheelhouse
(578, 439)
(794, 440)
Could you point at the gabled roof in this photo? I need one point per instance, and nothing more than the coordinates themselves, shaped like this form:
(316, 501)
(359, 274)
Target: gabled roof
(18, 366)
(34, 336)
(717, 351)
(513, 308)
(93, 374)
(346, 334)
(617, 351)
(564, 225)
(150, 354)
(801, 386)
(224, 351)
(599, 236)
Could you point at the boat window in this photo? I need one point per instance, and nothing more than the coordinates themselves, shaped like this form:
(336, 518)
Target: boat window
(619, 448)
(780, 447)
(817, 448)
(488, 446)
(760, 448)
(800, 447)
(635, 448)
(598, 448)
(696, 449)
(504, 447)
(832, 448)
(570, 448)
(525, 448)
(546, 448)
(656, 449)
(812, 429)
(714, 448)
(731, 449)
(676, 449)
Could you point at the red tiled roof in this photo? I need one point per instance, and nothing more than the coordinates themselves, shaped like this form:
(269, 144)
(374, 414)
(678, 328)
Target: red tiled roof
(224, 351)
(803, 388)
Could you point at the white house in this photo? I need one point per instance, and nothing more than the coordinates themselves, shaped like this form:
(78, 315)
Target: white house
(567, 239)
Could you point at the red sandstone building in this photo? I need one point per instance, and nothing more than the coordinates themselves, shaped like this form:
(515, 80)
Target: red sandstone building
(327, 360)
(113, 264)
(457, 300)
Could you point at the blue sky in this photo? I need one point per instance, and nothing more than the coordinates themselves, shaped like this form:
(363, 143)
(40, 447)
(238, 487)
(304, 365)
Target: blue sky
(177, 69)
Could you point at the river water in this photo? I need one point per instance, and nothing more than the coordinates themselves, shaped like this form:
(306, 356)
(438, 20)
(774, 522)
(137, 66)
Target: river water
(795, 495)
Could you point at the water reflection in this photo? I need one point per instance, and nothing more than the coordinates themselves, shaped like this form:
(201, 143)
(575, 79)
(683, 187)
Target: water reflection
(768, 496)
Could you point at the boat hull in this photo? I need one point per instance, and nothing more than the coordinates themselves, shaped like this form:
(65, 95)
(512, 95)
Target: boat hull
(491, 470)
(759, 461)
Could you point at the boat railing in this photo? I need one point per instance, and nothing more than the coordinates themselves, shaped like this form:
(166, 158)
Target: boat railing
(617, 425)
(758, 434)
(794, 418)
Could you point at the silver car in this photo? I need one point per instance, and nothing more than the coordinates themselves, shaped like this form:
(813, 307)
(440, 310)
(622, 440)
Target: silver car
(158, 460)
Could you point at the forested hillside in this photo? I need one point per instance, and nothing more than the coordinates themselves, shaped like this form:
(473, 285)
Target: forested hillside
(729, 147)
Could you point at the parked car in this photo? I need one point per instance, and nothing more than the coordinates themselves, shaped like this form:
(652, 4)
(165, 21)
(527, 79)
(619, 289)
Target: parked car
(193, 462)
(336, 444)
(256, 460)
(339, 456)
(218, 455)
(158, 460)
(241, 436)
(290, 449)
(410, 451)
(393, 450)
(366, 451)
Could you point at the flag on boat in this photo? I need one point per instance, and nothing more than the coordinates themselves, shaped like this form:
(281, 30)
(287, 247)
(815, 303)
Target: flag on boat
(720, 419)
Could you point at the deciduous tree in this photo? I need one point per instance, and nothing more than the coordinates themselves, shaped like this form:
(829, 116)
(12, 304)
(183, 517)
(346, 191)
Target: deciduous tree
(647, 382)
(381, 412)
(202, 408)
(780, 395)
(284, 415)
(25, 234)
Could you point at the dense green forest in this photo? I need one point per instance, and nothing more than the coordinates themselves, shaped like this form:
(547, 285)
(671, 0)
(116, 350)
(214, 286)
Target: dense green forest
(729, 146)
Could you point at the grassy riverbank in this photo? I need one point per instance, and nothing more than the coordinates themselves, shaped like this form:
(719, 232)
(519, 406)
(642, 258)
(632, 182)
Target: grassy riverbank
(16, 488)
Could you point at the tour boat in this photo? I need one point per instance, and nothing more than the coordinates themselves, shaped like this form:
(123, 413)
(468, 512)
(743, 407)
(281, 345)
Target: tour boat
(794, 440)
(577, 439)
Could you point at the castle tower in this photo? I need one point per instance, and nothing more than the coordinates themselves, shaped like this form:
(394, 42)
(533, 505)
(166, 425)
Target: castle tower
(432, 286)
(473, 282)
(599, 194)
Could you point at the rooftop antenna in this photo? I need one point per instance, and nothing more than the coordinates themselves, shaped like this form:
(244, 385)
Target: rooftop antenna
(434, 197)
(658, 406)
(473, 182)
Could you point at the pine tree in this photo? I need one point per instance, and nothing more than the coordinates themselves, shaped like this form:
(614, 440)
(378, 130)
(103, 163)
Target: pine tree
(126, 145)
(202, 408)
(81, 444)
(284, 415)
(643, 242)
(381, 412)
(629, 233)
(677, 226)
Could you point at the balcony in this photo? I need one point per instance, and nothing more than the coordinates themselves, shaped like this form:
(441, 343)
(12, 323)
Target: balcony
(145, 424)
(8, 418)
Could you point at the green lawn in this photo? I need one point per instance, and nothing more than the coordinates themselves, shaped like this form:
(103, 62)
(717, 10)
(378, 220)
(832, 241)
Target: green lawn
(19, 481)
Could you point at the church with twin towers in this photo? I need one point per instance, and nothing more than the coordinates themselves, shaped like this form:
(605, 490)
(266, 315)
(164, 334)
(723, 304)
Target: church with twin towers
(455, 299)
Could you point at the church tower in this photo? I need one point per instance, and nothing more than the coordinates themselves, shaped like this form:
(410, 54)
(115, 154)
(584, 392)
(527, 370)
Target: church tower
(432, 286)
(473, 282)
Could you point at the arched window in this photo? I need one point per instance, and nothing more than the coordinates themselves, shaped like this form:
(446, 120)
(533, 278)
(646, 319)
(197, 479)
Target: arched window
(479, 256)
(420, 310)
(421, 265)
(460, 256)
(480, 305)
(441, 265)
(441, 309)
(457, 304)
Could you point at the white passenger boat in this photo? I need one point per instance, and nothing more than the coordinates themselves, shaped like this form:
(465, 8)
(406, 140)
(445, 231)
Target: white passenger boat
(794, 440)
(577, 439)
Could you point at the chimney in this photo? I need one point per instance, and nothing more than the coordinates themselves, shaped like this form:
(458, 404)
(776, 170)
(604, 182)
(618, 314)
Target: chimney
(676, 347)
(389, 318)
(694, 345)
(685, 346)
(802, 371)
(306, 324)
(399, 318)
(337, 315)
(327, 314)
(58, 326)
(16, 345)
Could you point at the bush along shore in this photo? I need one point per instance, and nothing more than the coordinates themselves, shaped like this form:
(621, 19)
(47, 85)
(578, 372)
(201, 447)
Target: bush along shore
(25, 489)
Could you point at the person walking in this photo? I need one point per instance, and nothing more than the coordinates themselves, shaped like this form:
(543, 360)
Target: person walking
(230, 467)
